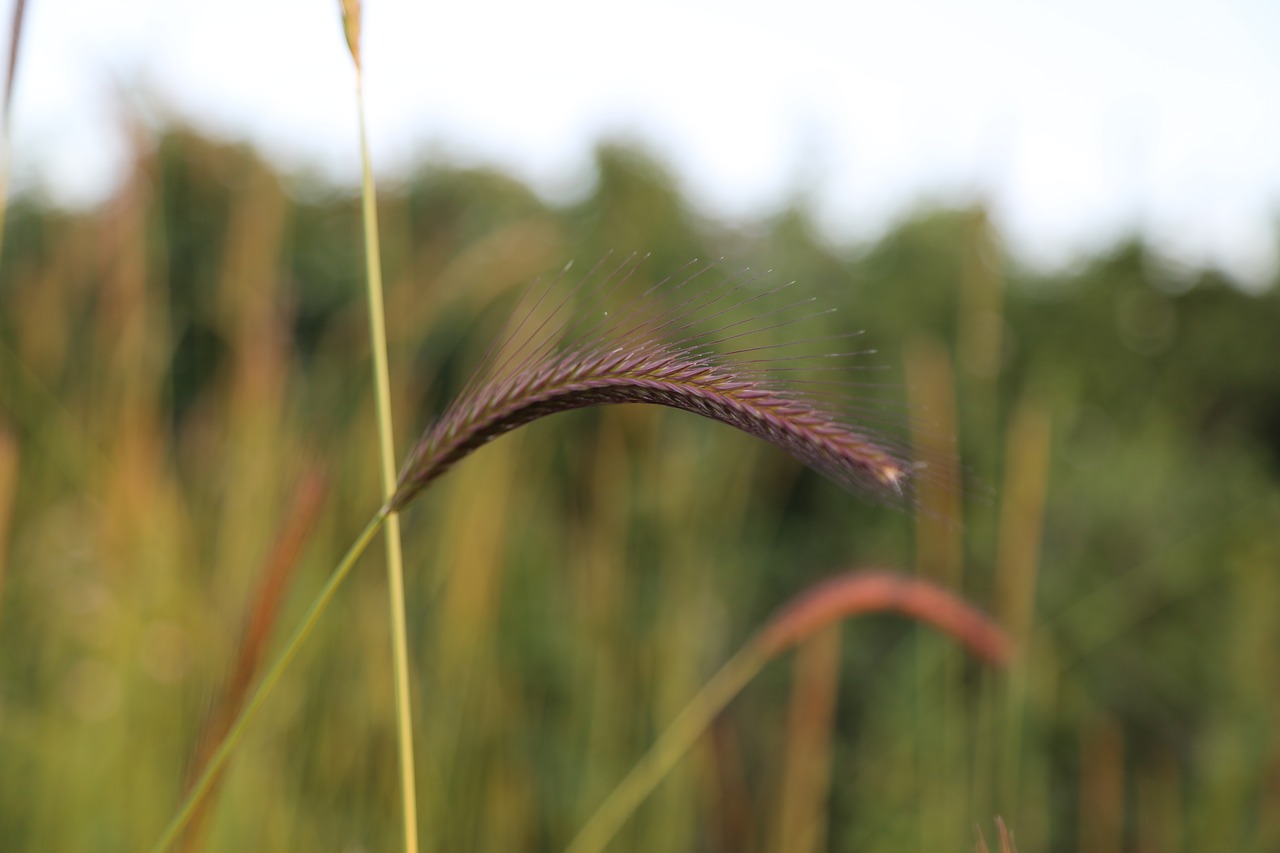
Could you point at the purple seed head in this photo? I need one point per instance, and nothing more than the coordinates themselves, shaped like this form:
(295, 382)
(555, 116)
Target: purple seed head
(647, 352)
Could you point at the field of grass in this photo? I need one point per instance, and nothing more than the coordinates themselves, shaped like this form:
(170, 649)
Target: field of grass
(188, 446)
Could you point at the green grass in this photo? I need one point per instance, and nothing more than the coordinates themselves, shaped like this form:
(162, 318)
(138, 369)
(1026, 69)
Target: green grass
(174, 367)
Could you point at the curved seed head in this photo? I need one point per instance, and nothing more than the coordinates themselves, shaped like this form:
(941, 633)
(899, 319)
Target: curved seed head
(650, 353)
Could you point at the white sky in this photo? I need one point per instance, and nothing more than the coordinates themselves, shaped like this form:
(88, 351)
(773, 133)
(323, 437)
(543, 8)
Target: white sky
(1077, 120)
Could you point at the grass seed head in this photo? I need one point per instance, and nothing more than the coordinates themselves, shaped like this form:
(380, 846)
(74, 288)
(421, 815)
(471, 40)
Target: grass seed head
(351, 27)
(668, 356)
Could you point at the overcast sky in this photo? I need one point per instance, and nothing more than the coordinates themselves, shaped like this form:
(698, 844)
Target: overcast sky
(1078, 121)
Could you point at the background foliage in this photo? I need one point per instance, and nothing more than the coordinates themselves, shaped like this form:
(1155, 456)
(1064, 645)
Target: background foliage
(183, 376)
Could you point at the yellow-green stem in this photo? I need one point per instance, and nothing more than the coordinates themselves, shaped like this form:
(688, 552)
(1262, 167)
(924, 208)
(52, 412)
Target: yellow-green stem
(679, 737)
(219, 758)
(386, 445)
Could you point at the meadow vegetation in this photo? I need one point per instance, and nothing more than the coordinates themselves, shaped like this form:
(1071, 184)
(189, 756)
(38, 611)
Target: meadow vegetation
(188, 446)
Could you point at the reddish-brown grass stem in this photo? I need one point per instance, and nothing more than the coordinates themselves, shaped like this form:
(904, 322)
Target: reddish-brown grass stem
(871, 590)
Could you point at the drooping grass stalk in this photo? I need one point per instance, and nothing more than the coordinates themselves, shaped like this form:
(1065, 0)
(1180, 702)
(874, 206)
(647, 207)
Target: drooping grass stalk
(838, 598)
(218, 759)
(386, 445)
(656, 376)
(644, 355)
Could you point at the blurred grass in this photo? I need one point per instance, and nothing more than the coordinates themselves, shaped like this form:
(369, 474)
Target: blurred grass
(174, 365)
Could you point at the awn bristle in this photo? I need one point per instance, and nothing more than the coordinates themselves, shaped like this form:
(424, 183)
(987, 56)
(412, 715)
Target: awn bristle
(629, 359)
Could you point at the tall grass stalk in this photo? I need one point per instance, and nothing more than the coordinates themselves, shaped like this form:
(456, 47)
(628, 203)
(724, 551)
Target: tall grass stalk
(386, 444)
(1026, 486)
(6, 108)
(220, 755)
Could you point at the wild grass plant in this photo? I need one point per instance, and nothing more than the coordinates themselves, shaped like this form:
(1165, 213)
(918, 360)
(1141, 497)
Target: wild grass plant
(352, 23)
(641, 355)
(644, 351)
(186, 441)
